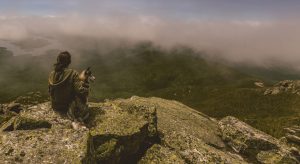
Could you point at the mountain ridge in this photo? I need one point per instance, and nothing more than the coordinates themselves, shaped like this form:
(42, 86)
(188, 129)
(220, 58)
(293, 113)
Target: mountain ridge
(135, 130)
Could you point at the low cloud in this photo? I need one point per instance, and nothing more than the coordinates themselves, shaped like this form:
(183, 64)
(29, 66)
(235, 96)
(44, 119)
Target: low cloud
(254, 41)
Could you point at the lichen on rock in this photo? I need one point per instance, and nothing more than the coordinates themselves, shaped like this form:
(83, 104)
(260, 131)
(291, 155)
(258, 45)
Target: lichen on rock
(44, 112)
(44, 146)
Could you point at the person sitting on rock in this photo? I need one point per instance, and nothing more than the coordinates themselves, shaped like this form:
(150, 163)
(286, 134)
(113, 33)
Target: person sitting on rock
(66, 90)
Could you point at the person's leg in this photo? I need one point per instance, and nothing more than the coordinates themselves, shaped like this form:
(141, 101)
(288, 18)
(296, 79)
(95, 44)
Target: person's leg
(72, 111)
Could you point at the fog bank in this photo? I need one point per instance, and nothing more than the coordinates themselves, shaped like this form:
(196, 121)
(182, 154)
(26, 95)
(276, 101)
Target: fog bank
(237, 41)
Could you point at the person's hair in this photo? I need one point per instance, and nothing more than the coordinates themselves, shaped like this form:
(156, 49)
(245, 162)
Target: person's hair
(63, 61)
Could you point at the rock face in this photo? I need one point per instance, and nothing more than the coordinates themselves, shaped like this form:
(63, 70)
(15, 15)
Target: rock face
(116, 133)
(120, 130)
(292, 86)
(135, 130)
(292, 137)
(254, 144)
(193, 135)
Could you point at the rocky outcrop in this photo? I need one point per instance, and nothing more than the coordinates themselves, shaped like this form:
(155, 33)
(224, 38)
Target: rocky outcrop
(292, 137)
(115, 134)
(119, 130)
(254, 144)
(290, 86)
(30, 98)
(134, 130)
(259, 84)
(193, 135)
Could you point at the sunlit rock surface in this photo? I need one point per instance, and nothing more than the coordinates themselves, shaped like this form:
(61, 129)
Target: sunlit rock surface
(195, 136)
(44, 146)
(120, 130)
(161, 154)
(254, 144)
(134, 130)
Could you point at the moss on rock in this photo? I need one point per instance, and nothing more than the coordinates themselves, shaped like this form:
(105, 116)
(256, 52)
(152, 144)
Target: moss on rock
(4, 118)
(44, 112)
(158, 154)
(23, 123)
(119, 130)
(44, 146)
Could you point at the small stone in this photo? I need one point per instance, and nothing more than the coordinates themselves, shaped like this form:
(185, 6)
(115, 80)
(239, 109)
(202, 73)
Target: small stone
(295, 151)
(22, 154)
(291, 131)
(293, 138)
(14, 107)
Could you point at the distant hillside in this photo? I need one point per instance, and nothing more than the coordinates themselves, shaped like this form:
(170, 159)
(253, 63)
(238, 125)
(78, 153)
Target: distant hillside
(271, 74)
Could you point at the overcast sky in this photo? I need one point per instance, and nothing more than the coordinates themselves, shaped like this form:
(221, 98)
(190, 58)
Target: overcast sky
(254, 30)
(181, 9)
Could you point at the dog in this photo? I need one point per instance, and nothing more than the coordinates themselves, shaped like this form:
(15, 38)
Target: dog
(79, 105)
(87, 76)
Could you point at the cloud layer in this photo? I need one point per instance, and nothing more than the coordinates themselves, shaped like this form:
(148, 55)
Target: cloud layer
(236, 40)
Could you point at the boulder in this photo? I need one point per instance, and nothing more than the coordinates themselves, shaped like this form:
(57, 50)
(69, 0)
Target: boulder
(253, 144)
(23, 123)
(14, 107)
(193, 135)
(293, 139)
(259, 84)
(31, 98)
(292, 136)
(119, 130)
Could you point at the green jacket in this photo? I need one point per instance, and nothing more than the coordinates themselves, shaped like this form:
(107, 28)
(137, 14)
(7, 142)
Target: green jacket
(63, 87)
